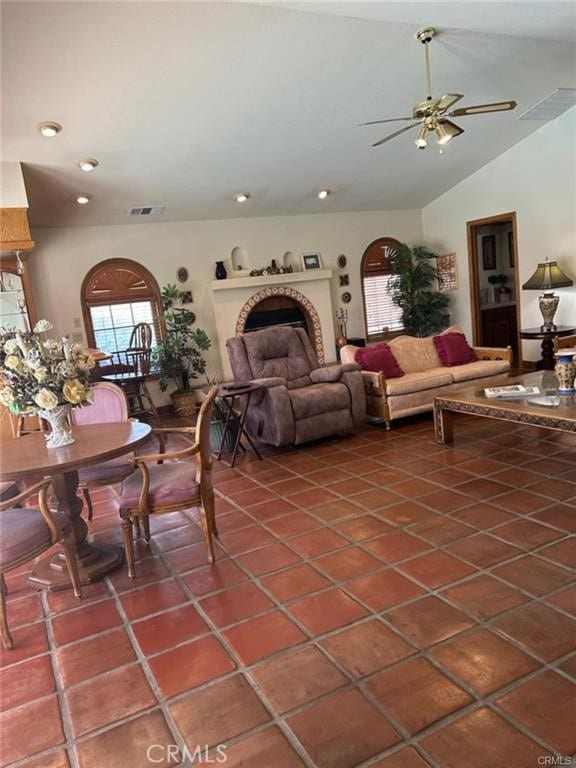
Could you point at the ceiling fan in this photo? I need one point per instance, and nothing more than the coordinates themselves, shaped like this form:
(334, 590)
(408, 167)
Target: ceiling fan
(432, 114)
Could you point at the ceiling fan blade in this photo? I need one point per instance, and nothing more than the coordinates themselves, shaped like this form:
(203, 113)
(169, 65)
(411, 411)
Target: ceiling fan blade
(388, 120)
(480, 109)
(447, 100)
(396, 133)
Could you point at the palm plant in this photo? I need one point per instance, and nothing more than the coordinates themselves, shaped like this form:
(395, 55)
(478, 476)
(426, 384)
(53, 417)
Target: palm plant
(178, 356)
(423, 309)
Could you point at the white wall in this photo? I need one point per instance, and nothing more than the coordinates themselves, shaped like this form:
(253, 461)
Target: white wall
(12, 189)
(537, 179)
(63, 256)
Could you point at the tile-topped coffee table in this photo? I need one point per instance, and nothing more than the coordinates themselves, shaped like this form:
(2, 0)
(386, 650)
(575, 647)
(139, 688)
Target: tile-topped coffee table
(474, 402)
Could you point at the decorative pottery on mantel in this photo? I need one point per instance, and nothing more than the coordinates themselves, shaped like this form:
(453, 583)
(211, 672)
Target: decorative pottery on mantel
(220, 272)
(565, 370)
(60, 429)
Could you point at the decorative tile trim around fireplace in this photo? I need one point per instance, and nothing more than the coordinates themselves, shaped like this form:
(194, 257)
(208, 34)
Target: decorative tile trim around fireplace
(281, 290)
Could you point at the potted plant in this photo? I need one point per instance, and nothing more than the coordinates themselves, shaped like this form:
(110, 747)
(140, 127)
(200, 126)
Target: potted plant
(423, 309)
(178, 356)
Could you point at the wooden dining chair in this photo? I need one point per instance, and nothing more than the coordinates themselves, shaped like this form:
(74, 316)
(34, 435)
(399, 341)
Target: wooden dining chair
(135, 363)
(26, 532)
(109, 404)
(176, 484)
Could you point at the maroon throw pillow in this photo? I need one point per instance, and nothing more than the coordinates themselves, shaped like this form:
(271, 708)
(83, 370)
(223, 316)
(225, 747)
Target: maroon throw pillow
(379, 358)
(453, 349)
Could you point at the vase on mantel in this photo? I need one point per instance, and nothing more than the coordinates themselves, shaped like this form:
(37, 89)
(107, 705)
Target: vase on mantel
(220, 273)
(60, 428)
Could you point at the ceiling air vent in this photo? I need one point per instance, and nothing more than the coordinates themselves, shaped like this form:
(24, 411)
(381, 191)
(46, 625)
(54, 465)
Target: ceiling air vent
(551, 106)
(147, 210)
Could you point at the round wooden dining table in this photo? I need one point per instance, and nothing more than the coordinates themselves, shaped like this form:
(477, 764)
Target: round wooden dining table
(27, 458)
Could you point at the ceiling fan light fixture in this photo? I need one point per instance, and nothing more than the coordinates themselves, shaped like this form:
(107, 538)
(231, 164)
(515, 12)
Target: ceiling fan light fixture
(446, 130)
(421, 142)
(49, 128)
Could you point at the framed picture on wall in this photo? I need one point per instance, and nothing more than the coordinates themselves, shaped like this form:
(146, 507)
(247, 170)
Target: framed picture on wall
(447, 275)
(489, 252)
(311, 261)
(510, 248)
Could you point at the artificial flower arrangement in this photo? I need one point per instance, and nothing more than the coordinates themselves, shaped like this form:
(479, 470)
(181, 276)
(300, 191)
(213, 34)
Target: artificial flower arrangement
(43, 375)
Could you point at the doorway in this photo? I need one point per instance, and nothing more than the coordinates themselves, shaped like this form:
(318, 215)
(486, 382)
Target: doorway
(494, 284)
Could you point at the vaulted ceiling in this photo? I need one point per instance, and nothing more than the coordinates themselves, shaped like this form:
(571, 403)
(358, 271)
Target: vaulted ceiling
(185, 104)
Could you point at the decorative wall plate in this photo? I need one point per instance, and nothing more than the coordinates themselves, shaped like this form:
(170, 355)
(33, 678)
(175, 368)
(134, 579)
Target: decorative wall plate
(182, 274)
(341, 261)
(346, 297)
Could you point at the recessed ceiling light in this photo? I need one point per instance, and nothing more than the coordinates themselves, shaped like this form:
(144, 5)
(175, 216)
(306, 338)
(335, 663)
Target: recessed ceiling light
(323, 194)
(88, 164)
(241, 197)
(83, 199)
(49, 128)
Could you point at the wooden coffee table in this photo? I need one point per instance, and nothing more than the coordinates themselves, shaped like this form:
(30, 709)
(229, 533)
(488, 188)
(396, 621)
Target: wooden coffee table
(474, 402)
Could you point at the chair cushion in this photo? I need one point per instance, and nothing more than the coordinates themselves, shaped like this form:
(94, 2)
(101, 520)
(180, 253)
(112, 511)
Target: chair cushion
(113, 471)
(319, 398)
(277, 352)
(453, 349)
(24, 530)
(171, 483)
(379, 358)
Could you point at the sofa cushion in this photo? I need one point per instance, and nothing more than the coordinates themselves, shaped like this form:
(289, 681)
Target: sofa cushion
(415, 354)
(319, 398)
(453, 349)
(418, 382)
(379, 358)
(479, 369)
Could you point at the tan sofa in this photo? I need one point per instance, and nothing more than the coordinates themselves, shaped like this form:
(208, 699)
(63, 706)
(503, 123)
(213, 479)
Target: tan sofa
(425, 376)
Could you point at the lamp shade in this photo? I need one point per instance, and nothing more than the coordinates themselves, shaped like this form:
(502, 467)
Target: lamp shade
(547, 277)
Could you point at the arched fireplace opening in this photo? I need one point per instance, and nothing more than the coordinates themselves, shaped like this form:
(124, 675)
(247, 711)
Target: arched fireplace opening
(282, 305)
(279, 310)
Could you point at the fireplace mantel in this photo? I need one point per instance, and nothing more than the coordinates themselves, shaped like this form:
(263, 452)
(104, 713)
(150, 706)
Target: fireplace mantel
(286, 278)
(235, 295)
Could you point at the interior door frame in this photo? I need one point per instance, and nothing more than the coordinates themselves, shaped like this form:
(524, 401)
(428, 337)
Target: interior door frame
(473, 262)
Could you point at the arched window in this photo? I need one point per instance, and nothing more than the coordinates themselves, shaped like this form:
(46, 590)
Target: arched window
(116, 295)
(381, 315)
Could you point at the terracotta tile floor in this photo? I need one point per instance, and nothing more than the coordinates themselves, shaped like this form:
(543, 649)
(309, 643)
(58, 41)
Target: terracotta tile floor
(378, 601)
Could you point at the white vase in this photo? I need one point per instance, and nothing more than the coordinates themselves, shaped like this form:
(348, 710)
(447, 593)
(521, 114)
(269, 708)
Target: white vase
(60, 429)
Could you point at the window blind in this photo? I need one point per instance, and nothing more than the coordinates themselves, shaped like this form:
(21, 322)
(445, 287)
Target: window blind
(382, 315)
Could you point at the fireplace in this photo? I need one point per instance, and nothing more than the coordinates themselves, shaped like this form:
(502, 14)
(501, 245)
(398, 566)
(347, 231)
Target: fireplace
(302, 299)
(279, 310)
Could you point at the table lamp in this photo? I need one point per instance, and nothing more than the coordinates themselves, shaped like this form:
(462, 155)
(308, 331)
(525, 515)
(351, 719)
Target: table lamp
(546, 278)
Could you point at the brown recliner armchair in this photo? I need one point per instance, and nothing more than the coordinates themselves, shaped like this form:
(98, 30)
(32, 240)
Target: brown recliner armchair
(299, 401)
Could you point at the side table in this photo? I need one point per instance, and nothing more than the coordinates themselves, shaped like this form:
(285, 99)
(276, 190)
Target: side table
(547, 361)
(234, 400)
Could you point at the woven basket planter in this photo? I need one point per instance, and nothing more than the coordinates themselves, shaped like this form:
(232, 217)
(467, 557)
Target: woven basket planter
(184, 403)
